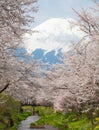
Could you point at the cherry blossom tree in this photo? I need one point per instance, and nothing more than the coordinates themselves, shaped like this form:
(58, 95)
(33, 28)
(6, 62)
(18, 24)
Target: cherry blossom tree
(15, 18)
(80, 71)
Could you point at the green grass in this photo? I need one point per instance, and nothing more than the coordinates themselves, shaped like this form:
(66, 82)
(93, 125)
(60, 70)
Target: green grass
(18, 118)
(61, 121)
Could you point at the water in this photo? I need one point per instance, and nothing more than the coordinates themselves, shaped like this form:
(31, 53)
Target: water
(25, 125)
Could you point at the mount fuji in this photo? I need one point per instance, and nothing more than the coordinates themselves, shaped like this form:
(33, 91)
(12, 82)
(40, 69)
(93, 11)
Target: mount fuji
(50, 39)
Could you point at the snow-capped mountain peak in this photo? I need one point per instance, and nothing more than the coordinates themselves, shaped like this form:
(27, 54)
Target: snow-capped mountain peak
(53, 34)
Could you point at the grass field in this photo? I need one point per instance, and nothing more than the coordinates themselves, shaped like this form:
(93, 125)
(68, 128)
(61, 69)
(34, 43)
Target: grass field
(67, 121)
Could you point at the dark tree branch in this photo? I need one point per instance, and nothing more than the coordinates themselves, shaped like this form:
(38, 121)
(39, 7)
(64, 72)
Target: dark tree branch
(5, 87)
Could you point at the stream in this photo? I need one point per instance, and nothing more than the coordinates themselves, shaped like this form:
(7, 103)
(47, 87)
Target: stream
(25, 125)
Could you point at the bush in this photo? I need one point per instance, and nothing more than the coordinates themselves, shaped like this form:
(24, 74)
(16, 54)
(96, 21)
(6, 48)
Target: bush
(10, 114)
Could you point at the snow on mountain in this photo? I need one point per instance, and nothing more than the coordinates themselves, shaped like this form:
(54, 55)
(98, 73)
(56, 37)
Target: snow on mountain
(48, 40)
(53, 34)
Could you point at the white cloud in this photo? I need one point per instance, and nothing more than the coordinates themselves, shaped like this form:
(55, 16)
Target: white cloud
(53, 34)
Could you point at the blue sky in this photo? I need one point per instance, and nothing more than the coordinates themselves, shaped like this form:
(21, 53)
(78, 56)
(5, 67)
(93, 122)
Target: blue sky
(58, 9)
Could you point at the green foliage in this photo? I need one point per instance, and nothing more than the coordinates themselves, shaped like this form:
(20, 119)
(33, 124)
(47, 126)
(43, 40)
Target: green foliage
(27, 108)
(18, 118)
(97, 123)
(70, 121)
(8, 105)
(50, 117)
(61, 121)
(10, 110)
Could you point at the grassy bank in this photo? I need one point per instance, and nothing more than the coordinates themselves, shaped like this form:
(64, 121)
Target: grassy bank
(67, 121)
(10, 113)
